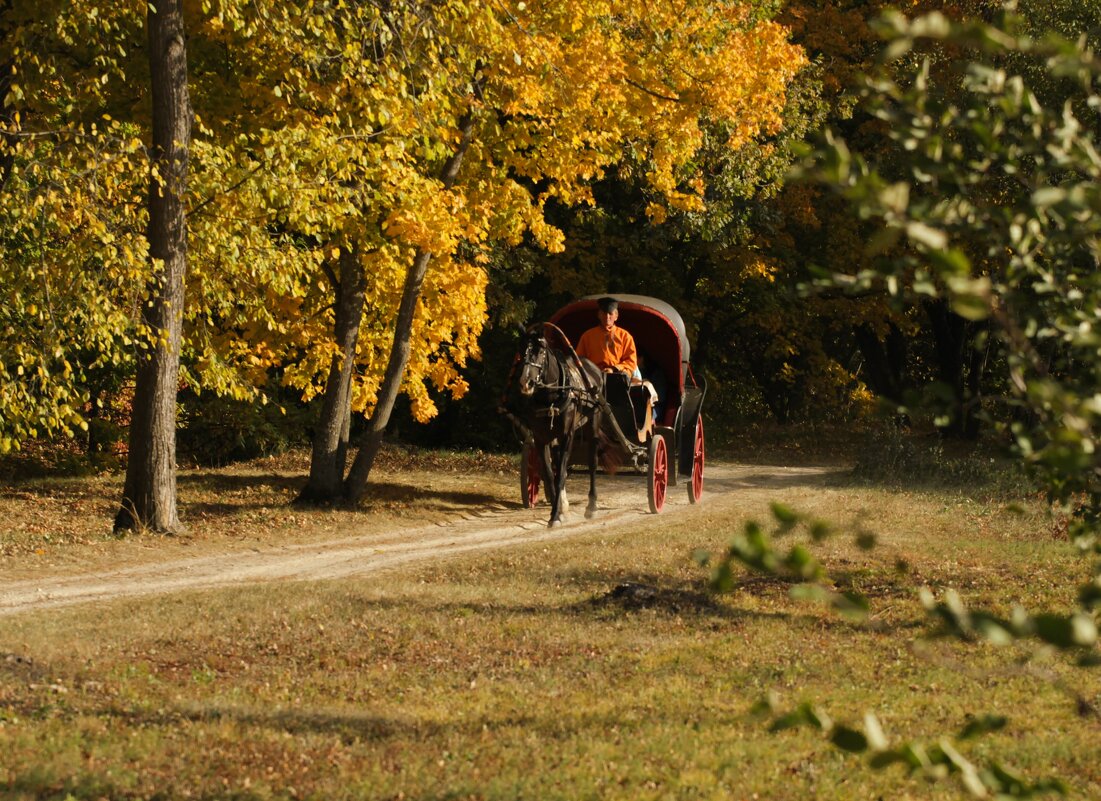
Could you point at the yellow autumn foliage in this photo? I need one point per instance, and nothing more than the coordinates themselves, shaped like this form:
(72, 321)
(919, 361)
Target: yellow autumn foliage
(323, 125)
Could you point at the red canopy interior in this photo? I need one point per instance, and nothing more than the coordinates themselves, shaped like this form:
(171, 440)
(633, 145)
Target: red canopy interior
(657, 337)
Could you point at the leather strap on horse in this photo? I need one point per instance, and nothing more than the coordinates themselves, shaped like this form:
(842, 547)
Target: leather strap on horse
(576, 359)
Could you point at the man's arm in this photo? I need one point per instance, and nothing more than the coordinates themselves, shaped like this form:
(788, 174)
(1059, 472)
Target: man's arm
(629, 360)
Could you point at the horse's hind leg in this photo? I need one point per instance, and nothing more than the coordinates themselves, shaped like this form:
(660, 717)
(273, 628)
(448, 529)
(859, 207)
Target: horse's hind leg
(590, 510)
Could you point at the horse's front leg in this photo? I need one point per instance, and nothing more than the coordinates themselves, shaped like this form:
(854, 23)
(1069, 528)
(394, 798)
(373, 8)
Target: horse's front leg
(590, 510)
(550, 481)
(560, 503)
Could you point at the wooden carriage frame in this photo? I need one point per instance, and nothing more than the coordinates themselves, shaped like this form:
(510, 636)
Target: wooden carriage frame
(673, 448)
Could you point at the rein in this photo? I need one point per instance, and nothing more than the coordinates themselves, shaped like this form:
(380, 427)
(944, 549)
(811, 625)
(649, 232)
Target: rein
(563, 371)
(562, 392)
(576, 359)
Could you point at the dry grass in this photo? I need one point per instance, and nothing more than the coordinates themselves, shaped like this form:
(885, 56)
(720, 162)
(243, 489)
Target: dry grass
(58, 520)
(523, 674)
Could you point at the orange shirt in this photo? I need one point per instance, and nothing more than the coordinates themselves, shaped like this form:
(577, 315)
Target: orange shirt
(613, 349)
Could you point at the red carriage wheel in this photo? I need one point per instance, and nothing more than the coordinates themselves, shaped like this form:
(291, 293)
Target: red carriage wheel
(695, 486)
(531, 467)
(657, 473)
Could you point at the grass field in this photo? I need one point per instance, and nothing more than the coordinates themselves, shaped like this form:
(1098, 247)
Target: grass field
(522, 673)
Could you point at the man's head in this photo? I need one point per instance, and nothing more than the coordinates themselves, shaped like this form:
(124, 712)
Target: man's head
(607, 311)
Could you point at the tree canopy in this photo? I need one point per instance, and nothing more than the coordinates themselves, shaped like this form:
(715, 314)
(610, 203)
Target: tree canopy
(431, 167)
(322, 126)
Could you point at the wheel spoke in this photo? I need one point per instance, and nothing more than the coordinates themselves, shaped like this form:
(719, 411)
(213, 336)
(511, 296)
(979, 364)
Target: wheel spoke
(657, 474)
(695, 486)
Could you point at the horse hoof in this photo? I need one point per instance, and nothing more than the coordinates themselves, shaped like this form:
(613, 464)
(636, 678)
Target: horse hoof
(590, 512)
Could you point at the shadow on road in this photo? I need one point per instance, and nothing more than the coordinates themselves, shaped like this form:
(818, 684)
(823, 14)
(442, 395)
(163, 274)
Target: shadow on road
(774, 478)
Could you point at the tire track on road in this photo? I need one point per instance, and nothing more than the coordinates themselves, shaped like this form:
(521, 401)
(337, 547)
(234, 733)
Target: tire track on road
(490, 528)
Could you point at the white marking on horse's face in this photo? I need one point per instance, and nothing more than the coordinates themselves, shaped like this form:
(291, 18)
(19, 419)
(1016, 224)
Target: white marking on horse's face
(529, 376)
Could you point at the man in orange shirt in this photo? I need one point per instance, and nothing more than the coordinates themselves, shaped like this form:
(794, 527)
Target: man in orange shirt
(608, 346)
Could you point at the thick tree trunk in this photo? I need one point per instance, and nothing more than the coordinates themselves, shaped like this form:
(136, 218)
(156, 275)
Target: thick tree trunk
(330, 442)
(355, 487)
(7, 113)
(959, 366)
(149, 497)
(885, 361)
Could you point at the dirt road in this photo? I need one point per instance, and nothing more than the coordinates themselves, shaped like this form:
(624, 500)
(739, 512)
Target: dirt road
(622, 502)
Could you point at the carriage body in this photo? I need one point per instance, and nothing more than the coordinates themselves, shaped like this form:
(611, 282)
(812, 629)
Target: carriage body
(673, 447)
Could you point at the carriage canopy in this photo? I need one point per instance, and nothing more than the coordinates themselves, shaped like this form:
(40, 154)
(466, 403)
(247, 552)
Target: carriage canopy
(656, 326)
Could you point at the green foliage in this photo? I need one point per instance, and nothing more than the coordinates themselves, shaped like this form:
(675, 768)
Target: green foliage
(754, 549)
(986, 196)
(935, 761)
(1069, 632)
(1074, 633)
(215, 430)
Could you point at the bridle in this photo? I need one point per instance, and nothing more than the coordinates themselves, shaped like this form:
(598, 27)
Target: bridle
(548, 399)
(558, 395)
(542, 363)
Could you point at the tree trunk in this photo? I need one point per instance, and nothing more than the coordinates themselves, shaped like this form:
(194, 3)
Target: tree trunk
(355, 487)
(960, 367)
(976, 369)
(330, 441)
(885, 361)
(149, 497)
(7, 113)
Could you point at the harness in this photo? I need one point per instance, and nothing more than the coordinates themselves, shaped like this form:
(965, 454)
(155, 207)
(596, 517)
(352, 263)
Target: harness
(558, 394)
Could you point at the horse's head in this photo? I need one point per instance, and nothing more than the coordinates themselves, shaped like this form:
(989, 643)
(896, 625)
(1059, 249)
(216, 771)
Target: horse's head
(534, 357)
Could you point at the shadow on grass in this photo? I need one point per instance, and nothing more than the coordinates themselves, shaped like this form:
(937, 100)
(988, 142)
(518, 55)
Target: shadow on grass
(380, 494)
(221, 482)
(348, 726)
(654, 598)
(45, 783)
(21, 668)
(57, 489)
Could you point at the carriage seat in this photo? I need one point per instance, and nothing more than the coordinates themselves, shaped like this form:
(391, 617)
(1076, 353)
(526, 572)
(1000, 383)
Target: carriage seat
(632, 404)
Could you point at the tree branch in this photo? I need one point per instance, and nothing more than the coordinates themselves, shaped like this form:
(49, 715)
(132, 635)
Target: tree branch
(658, 95)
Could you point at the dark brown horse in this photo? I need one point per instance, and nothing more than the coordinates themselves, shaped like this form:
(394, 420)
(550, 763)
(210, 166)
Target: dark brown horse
(561, 395)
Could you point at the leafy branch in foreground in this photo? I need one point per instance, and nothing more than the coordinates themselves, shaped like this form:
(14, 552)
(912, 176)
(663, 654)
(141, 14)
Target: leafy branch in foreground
(753, 549)
(935, 761)
(1074, 633)
(985, 191)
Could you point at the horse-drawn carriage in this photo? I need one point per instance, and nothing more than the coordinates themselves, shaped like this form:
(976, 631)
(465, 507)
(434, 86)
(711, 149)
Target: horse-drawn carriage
(654, 428)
